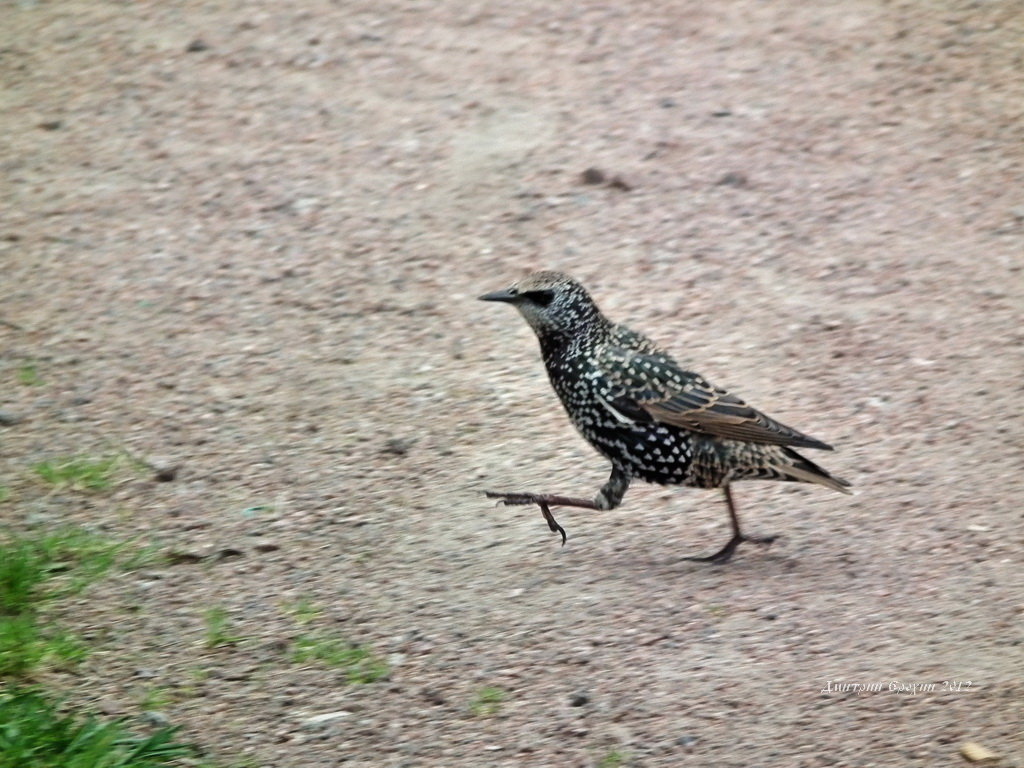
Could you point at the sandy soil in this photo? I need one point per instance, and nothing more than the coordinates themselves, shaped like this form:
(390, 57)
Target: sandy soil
(245, 239)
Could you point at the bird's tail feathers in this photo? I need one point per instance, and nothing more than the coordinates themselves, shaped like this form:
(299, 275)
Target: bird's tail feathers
(806, 471)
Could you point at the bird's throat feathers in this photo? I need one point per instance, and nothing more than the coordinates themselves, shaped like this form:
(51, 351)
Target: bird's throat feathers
(567, 322)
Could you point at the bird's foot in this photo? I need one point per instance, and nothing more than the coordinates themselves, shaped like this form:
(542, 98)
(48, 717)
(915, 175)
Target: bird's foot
(725, 553)
(542, 501)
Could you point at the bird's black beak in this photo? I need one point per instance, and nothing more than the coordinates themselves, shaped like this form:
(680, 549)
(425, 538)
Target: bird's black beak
(506, 295)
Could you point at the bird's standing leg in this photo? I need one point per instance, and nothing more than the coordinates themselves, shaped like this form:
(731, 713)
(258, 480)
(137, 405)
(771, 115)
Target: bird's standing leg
(609, 497)
(723, 555)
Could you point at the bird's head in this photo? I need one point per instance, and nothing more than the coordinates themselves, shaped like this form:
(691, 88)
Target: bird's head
(553, 304)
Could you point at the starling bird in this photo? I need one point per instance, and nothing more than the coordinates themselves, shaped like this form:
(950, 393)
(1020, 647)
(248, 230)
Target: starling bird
(649, 417)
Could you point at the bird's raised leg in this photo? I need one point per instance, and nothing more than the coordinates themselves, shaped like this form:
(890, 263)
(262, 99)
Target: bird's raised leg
(609, 497)
(723, 555)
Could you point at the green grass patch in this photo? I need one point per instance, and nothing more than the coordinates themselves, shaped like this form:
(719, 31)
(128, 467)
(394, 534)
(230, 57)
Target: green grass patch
(22, 646)
(79, 557)
(304, 610)
(25, 646)
(34, 571)
(155, 697)
(35, 730)
(360, 664)
(218, 629)
(488, 701)
(35, 733)
(29, 376)
(614, 759)
(79, 473)
(23, 569)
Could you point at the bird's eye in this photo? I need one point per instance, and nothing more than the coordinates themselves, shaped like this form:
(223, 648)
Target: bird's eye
(540, 298)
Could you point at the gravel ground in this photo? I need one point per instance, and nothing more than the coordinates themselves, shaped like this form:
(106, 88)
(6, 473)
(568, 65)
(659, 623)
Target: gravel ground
(246, 240)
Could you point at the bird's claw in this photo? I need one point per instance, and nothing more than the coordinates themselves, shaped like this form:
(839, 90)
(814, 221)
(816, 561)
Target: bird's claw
(515, 499)
(552, 523)
(725, 553)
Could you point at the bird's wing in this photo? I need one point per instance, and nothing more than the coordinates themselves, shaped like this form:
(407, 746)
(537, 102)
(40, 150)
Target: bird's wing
(648, 387)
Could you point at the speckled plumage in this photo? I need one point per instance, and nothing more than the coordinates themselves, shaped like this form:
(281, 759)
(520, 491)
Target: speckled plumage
(650, 418)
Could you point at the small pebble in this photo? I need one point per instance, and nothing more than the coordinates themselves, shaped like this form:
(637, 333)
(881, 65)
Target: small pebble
(319, 721)
(9, 419)
(974, 752)
(433, 697)
(158, 719)
(579, 699)
(733, 179)
(180, 558)
(165, 472)
(398, 446)
(618, 182)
